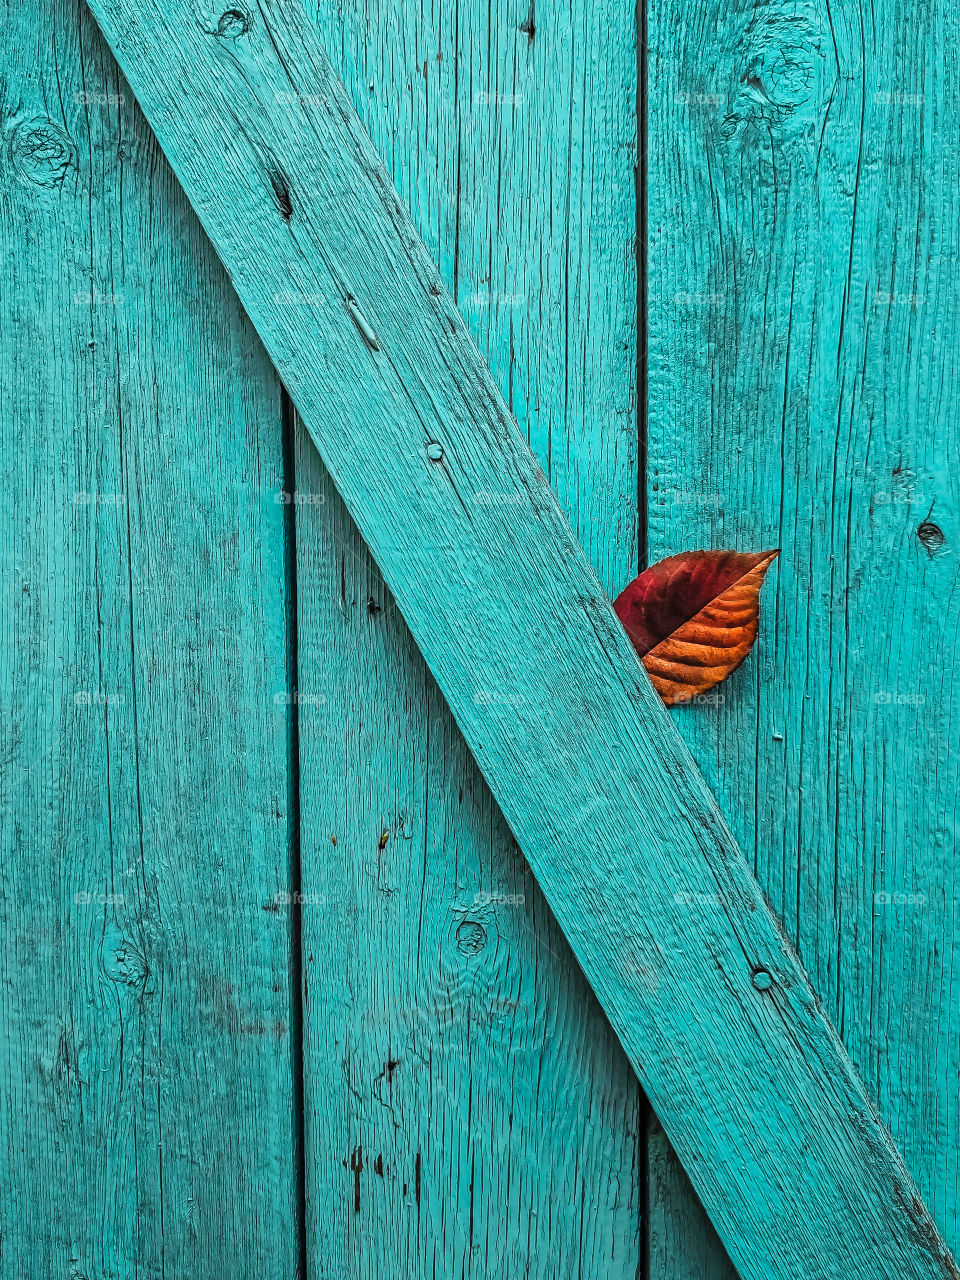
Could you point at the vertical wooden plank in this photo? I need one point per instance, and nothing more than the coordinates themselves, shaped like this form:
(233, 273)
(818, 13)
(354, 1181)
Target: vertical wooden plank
(682, 1243)
(804, 393)
(146, 1114)
(469, 1110)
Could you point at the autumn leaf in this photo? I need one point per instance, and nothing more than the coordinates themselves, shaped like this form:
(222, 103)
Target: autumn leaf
(693, 618)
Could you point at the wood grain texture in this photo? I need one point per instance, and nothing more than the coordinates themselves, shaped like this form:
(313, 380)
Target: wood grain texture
(805, 239)
(682, 1243)
(798, 1175)
(145, 1114)
(470, 1111)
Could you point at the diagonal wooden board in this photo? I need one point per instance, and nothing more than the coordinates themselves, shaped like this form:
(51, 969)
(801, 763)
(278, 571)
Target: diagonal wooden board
(747, 1075)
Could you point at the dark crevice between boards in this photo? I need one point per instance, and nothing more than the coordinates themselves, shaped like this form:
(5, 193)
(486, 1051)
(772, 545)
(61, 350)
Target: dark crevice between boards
(646, 1119)
(641, 248)
(642, 255)
(289, 482)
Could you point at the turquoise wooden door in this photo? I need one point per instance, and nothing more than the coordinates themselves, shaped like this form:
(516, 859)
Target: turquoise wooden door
(281, 994)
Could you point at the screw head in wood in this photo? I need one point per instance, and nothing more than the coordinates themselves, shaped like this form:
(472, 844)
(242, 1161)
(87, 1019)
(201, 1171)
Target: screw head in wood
(762, 980)
(434, 451)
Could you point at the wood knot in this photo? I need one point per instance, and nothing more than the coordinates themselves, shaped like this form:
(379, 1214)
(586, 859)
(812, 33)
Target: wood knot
(42, 152)
(471, 938)
(233, 23)
(785, 81)
(780, 78)
(931, 537)
(225, 24)
(122, 961)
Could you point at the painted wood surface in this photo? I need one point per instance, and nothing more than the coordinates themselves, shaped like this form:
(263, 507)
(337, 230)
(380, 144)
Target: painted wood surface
(681, 1243)
(295, 197)
(804, 245)
(146, 1117)
(470, 1111)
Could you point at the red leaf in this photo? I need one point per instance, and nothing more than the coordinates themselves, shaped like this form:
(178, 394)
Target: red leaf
(693, 618)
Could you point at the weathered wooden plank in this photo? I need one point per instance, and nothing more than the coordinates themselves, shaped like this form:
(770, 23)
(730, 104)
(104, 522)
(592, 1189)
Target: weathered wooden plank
(146, 1004)
(797, 1172)
(458, 1069)
(804, 393)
